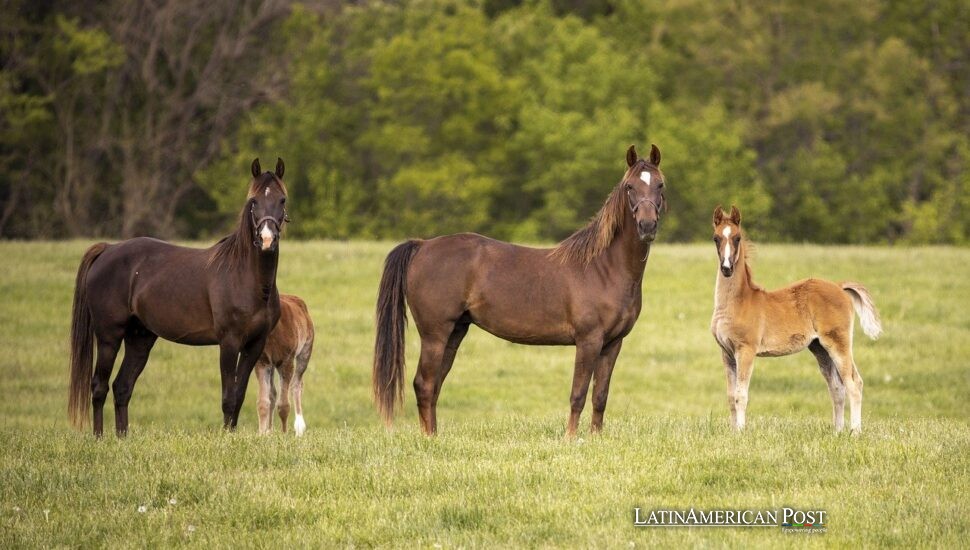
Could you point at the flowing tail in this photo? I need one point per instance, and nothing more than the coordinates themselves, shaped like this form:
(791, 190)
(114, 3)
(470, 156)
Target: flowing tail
(865, 309)
(388, 377)
(82, 343)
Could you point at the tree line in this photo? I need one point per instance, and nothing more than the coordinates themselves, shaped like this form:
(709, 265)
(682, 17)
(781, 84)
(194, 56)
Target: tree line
(844, 121)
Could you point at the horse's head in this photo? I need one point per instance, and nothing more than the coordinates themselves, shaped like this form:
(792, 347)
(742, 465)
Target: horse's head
(727, 238)
(267, 206)
(644, 185)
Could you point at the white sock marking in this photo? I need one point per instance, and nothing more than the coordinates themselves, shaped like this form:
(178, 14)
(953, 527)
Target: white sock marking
(645, 176)
(299, 426)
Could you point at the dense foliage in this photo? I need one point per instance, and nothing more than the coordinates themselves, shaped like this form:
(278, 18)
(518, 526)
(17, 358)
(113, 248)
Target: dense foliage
(829, 121)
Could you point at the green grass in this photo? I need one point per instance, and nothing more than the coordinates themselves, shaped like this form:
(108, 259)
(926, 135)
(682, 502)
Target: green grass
(500, 472)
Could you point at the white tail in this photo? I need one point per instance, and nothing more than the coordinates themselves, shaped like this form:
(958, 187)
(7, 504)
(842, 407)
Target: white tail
(865, 308)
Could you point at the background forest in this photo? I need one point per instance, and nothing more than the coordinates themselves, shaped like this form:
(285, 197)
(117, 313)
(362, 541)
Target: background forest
(844, 121)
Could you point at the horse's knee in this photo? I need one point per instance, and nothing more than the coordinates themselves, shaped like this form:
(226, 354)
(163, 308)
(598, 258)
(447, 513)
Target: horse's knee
(99, 392)
(577, 402)
(740, 399)
(423, 389)
(122, 393)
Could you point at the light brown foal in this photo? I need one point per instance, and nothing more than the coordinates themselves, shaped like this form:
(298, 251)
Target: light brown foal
(287, 350)
(749, 321)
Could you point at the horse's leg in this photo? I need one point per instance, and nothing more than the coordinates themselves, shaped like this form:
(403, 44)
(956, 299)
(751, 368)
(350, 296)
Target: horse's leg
(731, 370)
(228, 359)
(138, 344)
(286, 384)
(448, 359)
(264, 403)
(838, 344)
(426, 378)
(247, 360)
(836, 388)
(587, 354)
(302, 359)
(107, 352)
(601, 382)
(744, 358)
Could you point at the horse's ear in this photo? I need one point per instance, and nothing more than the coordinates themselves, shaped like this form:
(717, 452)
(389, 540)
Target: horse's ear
(279, 168)
(718, 215)
(256, 169)
(654, 155)
(631, 156)
(735, 215)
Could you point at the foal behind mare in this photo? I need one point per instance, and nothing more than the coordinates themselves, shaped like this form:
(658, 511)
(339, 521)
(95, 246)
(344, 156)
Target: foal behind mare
(749, 321)
(287, 350)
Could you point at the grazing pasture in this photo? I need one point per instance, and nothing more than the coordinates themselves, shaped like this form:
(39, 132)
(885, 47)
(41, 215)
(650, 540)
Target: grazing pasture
(500, 471)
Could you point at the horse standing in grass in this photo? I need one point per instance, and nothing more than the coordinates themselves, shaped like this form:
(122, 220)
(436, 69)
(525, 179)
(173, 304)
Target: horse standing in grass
(749, 321)
(584, 292)
(137, 290)
(287, 350)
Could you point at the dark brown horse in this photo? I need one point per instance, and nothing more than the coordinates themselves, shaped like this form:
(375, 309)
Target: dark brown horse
(584, 292)
(137, 290)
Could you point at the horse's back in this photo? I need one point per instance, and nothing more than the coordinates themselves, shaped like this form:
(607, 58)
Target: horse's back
(815, 296)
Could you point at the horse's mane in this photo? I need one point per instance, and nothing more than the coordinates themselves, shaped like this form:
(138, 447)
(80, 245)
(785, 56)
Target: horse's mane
(750, 251)
(231, 249)
(590, 241)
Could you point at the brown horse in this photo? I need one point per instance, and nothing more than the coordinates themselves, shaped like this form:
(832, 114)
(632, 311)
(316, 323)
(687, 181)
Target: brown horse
(749, 321)
(584, 292)
(287, 350)
(137, 290)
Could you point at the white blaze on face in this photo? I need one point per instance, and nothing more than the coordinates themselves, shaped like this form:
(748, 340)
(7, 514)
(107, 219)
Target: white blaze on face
(645, 176)
(266, 194)
(727, 247)
(266, 235)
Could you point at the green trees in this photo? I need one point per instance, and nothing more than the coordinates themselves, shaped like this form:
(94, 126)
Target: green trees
(833, 121)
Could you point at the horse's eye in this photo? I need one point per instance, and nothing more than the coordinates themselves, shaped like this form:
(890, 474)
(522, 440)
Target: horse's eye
(283, 200)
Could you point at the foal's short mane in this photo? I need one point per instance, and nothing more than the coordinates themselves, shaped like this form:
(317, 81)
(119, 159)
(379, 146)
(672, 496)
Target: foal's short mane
(230, 250)
(590, 241)
(749, 250)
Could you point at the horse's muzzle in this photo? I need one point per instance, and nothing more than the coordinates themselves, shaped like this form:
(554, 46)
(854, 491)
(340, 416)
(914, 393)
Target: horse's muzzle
(727, 271)
(647, 230)
(268, 237)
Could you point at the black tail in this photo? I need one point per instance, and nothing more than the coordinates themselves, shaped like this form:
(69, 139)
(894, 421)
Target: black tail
(82, 343)
(392, 319)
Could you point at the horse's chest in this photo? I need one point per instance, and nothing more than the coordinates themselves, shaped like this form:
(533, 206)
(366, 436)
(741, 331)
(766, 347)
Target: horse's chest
(722, 329)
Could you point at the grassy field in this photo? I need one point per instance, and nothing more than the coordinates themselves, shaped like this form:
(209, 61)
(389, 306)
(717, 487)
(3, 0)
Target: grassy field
(500, 472)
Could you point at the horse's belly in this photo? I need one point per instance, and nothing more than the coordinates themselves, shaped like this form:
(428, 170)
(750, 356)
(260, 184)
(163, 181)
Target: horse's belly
(778, 346)
(523, 329)
(176, 320)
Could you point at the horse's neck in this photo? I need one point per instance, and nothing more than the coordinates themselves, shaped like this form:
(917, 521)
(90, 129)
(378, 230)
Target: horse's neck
(266, 266)
(627, 254)
(732, 290)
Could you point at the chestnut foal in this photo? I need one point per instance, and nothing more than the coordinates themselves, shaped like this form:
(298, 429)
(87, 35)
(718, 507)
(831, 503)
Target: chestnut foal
(749, 321)
(287, 350)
